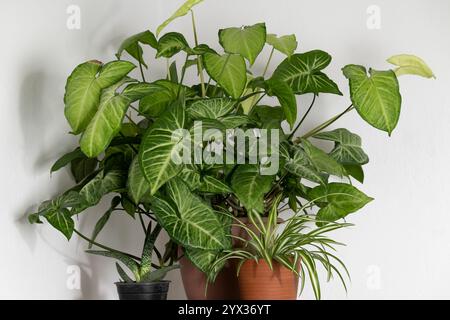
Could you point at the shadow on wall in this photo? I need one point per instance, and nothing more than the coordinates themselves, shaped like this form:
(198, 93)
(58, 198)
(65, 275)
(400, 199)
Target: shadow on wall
(44, 139)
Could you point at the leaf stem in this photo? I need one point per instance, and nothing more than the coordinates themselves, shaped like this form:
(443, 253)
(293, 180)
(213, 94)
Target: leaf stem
(142, 223)
(327, 123)
(259, 100)
(268, 61)
(140, 62)
(103, 246)
(303, 118)
(131, 120)
(199, 57)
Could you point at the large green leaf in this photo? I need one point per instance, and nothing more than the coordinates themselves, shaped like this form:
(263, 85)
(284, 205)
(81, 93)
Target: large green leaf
(137, 185)
(285, 44)
(250, 186)
(300, 165)
(132, 45)
(347, 149)
(170, 44)
(84, 87)
(303, 73)
(190, 221)
(410, 64)
(247, 41)
(337, 200)
(182, 11)
(286, 98)
(229, 71)
(322, 161)
(214, 108)
(376, 97)
(158, 147)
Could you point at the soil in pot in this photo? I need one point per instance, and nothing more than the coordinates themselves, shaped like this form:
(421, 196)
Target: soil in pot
(143, 291)
(258, 282)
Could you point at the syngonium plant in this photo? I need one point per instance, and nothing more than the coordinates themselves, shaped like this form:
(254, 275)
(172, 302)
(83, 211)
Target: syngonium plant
(127, 147)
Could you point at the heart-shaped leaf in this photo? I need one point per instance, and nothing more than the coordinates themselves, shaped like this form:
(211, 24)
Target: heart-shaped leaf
(247, 41)
(229, 71)
(158, 147)
(84, 87)
(376, 97)
(285, 44)
(347, 149)
(303, 73)
(337, 200)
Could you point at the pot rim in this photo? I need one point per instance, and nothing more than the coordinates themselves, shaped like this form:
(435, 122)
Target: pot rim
(124, 284)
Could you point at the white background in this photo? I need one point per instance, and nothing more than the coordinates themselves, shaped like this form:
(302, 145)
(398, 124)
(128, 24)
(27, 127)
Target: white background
(400, 246)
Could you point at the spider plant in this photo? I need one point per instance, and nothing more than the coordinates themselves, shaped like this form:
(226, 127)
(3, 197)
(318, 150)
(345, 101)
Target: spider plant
(295, 243)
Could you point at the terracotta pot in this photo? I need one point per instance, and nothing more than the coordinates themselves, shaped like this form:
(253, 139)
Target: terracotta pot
(194, 281)
(226, 285)
(258, 282)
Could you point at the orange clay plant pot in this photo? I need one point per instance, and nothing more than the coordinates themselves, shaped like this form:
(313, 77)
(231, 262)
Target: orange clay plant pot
(258, 282)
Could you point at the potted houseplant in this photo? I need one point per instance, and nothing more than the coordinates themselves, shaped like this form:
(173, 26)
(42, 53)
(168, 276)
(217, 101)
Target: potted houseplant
(273, 255)
(135, 136)
(148, 283)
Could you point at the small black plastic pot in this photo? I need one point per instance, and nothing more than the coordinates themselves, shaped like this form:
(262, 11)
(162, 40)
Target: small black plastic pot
(143, 291)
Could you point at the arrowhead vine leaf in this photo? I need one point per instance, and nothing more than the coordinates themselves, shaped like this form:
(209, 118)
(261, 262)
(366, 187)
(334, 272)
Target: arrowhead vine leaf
(376, 96)
(285, 44)
(247, 41)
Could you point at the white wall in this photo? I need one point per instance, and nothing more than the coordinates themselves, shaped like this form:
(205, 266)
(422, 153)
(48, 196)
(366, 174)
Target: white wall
(402, 239)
